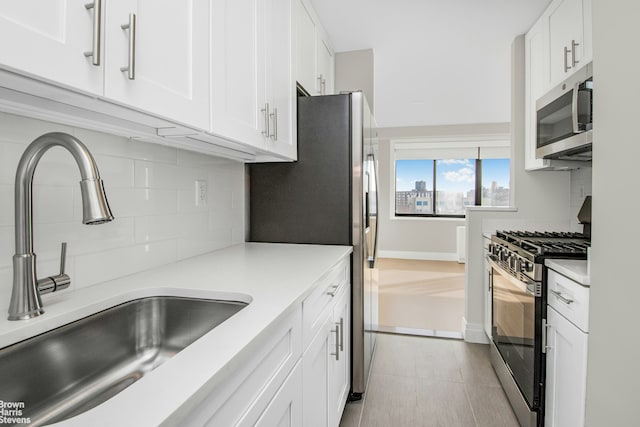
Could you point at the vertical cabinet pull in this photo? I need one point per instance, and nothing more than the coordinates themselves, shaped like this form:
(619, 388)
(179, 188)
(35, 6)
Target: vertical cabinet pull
(131, 67)
(97, 31)
(545, 336)
(571, 51)
(574, 61)
(265, 116)
(337, 332)
(341, 324)
(274, 116)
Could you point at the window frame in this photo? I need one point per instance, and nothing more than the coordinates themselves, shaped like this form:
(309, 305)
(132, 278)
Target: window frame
(438, 143)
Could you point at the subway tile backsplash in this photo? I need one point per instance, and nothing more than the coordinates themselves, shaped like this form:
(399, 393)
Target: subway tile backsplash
(152, 193)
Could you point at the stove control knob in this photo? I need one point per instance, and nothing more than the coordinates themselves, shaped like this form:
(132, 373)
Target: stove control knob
(526, 266)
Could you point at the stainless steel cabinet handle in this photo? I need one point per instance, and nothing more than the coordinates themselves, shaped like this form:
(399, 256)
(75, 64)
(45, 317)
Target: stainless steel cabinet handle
(265, 115)
(545, 332)
(341, 324)
(97, 31)
(567, 67)
(574, 61)
(320, 78)
(337, 331)
(333, 290)
(131, 26)
(561, 297)
(323, 86)
(372, 255)
(490, 271)
(274, 116)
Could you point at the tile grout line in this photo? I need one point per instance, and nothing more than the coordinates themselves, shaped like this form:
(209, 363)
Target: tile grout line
(473, 412)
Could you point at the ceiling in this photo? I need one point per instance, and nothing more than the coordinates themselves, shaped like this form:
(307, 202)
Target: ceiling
(435, 61)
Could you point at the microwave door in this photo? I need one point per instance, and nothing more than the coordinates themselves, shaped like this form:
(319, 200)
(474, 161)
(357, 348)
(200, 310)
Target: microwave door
(555, 121)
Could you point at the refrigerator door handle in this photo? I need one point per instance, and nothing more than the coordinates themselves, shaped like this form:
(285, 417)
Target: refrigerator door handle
(372, 255)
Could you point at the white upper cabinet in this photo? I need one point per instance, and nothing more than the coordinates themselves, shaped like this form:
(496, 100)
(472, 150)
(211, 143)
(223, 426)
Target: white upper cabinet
(315, 62)
(566, 38)
(84, 48)
(279, 81)
(48, 39)
(305, 46)
(326, 68)
(237, 71)
(558, 44)
(536, 83)
(215, 72)
(166, 53)
(253, 91)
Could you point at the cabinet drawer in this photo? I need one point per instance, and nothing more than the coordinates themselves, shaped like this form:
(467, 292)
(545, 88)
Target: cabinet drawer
(569, 298)
(323, 295)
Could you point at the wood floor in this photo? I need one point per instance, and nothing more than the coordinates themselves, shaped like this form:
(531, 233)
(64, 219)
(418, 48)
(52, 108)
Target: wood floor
(420, 381)
(416, 295)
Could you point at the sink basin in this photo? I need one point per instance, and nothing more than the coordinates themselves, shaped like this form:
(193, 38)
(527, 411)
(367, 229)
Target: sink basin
(71, 369)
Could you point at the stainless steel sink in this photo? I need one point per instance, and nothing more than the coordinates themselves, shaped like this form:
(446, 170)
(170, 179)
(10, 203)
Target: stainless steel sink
(71, 369)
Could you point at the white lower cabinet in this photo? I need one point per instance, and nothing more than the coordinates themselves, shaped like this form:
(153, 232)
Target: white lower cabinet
(315, 377)
(340, 366)
(566, 372)
(296, 373)
(326, 369)
(567, 339)
(285, 409)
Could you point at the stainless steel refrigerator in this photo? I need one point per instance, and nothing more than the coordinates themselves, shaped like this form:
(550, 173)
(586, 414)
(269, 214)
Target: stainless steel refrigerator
(329, 196)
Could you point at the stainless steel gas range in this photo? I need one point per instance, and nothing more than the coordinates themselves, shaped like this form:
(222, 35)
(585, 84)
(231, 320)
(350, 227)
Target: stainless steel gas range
(518, 283)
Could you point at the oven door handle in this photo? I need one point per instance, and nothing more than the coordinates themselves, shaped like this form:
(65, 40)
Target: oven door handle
(529, 286)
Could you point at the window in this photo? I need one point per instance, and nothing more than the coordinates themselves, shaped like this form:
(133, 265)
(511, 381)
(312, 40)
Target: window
(495, 182)
(441, 180)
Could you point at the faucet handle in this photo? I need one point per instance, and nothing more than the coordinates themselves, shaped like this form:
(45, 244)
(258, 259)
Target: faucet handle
(63, 257)
(59, 281)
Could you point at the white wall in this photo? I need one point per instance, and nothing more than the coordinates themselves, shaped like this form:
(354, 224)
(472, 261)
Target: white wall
(151, 190)
(614, 341)
(542, 200)
(354, 71)
(419, 238)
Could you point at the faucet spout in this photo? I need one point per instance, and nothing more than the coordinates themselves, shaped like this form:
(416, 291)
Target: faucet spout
(25, 297)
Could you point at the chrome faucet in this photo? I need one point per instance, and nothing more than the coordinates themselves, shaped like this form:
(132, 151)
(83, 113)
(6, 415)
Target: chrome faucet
(25, 296)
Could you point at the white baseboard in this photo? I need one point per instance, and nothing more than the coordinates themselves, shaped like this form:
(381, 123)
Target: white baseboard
(420, 332)
(428, 256)
(474, 332)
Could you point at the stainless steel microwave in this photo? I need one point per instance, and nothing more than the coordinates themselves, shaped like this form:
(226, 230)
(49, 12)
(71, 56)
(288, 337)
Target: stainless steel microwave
(564, 128)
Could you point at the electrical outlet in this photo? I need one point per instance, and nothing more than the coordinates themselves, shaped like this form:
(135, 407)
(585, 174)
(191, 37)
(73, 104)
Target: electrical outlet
(201, 192)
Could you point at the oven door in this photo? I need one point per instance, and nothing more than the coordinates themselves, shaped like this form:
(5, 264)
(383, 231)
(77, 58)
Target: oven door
(516, 331)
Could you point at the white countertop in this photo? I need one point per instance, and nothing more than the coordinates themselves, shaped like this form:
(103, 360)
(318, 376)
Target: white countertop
(273, 278)
(574, 269)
